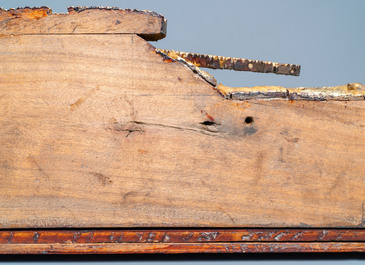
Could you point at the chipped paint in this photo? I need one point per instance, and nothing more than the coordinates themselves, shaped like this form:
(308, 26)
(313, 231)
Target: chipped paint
(25, 13)
(351, 91)
(236, 64)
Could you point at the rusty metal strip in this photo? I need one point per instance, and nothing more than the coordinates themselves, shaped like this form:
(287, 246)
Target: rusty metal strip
(236, 64)
(351, 91)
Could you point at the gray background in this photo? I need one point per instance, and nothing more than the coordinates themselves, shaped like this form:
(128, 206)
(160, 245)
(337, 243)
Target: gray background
(327, 38)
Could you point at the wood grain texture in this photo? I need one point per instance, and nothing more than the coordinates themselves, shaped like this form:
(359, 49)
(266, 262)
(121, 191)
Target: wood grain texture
(25, 21)
(100, 131)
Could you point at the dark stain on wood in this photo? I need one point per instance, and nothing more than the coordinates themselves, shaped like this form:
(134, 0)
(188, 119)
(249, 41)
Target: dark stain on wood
(39, 168)
(249, 130)
(362, 224)
(104, 180)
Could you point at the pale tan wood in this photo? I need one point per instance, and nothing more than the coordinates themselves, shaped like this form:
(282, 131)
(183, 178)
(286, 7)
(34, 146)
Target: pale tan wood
(150, 25)
(101, 131)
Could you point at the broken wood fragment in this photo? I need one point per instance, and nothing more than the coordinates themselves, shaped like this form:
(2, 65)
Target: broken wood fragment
(83, 20)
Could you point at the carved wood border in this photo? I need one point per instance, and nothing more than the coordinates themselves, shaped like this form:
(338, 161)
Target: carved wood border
(175, 241)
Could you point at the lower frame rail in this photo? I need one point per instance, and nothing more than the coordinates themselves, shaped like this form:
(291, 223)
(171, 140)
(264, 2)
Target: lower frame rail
(177, 241)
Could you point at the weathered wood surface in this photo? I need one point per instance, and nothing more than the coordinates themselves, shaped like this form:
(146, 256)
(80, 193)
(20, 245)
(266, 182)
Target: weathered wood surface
(101, 131)
(25, 21)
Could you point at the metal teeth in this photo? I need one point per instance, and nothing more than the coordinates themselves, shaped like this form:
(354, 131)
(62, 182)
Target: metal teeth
(237, 64)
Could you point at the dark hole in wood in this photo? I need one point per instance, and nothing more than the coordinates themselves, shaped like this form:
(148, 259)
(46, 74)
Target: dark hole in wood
(249, 120)
(208, 123)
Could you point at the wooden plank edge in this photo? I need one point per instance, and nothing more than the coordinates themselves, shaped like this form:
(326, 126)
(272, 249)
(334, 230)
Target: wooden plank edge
(179, 248)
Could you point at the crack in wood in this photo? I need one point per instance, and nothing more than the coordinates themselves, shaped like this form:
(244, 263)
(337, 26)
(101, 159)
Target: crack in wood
(204, 130)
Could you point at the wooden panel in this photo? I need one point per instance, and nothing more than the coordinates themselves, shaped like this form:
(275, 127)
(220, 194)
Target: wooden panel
(150, 25)
(100, 131)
